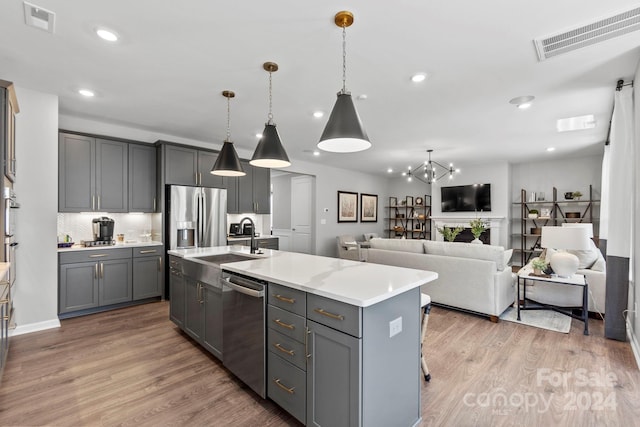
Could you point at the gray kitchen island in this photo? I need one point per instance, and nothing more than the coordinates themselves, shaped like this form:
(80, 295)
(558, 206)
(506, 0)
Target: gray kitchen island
(341, 338)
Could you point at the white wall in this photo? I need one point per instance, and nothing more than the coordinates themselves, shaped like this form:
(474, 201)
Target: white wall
(496, 174)
(36, 296)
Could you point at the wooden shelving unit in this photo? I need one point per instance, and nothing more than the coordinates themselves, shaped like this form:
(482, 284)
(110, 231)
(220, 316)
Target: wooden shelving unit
(408, 219)
(526, 244)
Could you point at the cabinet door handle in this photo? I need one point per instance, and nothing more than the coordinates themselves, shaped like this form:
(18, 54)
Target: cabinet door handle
(102, 270)
(287, 389)
(98, 202)
(284, 350)
(285, 299)
(95, 273)
(154, 204)
(330, 315)
(284, 325)
(159, 263)
(93, 202)
(98, 255)
(306, 342)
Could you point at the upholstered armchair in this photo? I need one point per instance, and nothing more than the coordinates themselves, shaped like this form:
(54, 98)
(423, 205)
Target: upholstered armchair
(348, 248)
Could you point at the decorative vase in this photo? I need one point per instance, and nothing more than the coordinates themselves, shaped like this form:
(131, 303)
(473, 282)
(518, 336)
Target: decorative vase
(537, 271)
(477, 241)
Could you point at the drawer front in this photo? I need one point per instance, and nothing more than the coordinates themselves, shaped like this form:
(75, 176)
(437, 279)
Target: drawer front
(94, 255)
(335, 314)
(288, 299)
(286, 385)
(289, 349)
(146, 251)
(267, 243)
(286, 323)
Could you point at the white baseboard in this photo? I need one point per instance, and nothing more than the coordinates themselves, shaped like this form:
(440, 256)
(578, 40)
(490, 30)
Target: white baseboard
(34, 327)
(635, 345)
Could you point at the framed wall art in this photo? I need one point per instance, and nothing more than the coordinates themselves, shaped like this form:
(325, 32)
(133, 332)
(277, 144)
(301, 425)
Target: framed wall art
(347, 206)
(368, 208)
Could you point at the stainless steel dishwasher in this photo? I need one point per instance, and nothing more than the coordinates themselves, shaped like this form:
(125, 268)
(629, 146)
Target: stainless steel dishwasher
(243, 329)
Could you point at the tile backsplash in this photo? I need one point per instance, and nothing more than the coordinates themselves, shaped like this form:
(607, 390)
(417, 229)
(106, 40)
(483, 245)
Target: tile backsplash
(78, 225)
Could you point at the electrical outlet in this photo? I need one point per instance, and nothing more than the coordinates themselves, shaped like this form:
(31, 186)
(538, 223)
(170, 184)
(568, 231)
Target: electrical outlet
(395, 327)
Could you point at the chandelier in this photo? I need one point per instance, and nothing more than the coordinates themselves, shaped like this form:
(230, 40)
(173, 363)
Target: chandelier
(430, 171)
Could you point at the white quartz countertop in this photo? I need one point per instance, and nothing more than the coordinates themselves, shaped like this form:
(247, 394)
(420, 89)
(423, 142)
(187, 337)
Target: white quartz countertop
(79, 247)
(358, 283)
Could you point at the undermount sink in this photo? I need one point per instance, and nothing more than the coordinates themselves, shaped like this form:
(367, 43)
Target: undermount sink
(224, 258)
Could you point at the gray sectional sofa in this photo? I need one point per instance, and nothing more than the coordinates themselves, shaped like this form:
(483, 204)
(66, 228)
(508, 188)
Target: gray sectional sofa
(471, 277)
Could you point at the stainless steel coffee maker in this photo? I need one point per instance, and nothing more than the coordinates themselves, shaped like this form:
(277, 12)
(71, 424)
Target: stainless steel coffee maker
(103, 229)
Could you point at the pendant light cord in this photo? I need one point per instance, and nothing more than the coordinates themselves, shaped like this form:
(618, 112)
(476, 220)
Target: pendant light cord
(270, 116)
(228, 120)
(344, 59)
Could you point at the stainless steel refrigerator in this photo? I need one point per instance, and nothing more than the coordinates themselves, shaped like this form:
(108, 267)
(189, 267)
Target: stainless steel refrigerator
(197, 217)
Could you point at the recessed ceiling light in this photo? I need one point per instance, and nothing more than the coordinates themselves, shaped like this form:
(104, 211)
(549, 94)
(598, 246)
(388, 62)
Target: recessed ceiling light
(522, 102)
(318, 114)
(576, 123)
(389, 170)
(419, 77)
(316, 153)
(107, 35)
(86, 92)
(258, 135)
(550, 149)
(362, 97)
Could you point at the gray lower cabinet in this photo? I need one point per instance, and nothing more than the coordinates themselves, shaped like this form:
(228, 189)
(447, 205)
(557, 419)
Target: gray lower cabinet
(176, 291)
(287, 351)
(196, 307)
(90, 279)
(264, 242)
(148, 275)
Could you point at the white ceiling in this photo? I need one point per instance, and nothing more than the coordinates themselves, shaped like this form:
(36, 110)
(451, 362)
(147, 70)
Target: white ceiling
(174, 59)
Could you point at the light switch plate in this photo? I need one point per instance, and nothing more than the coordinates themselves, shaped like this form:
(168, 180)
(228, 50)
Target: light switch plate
(395, 327)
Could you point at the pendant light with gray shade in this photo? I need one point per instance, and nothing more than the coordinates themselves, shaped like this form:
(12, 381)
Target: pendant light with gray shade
(228, 163)
(344, 132)
(270, 153)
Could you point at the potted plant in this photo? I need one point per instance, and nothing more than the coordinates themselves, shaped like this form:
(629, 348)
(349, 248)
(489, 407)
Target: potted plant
(477, 228)
(539, 266)
(577, 195)
(533, 213)
(450, 233)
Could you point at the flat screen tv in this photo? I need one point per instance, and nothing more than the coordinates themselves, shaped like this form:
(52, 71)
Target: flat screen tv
(466, 198)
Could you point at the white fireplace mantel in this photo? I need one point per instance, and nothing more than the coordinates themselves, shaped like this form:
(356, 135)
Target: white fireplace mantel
(495, 225)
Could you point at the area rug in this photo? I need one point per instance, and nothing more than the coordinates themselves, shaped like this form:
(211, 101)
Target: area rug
(544, 319)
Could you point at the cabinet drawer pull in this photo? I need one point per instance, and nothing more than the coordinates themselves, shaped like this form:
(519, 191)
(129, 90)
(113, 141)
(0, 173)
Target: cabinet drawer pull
(284, 325)
(284, 350)
(150, 251)
(159, 263)
(287, 389)
(331, 315)
(98, 255)
(285, 299)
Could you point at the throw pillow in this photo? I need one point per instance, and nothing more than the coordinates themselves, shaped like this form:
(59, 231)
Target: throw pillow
(587, 257)
(350, 246)
(507, 256)
(600, 264)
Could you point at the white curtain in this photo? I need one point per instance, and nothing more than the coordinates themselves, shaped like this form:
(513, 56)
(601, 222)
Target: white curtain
(616, 212)
(617, 206)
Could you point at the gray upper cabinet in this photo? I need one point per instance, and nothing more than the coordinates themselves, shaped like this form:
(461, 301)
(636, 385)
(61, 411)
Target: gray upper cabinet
(206, 160)
(76, 177)
(142, 178)
(181, 165)
(112, 176)
(250, 193)
(189, 166)
(92, 174)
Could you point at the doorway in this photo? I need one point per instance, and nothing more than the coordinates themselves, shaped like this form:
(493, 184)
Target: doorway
(292, 211)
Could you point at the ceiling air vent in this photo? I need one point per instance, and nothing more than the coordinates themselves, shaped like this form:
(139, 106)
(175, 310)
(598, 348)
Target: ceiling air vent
(35, 16)
(587, 35)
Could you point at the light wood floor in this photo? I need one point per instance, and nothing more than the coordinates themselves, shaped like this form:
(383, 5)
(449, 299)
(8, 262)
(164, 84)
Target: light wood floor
(134, 367)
